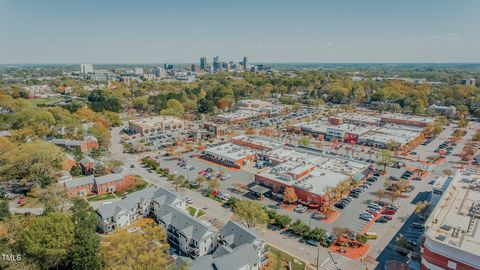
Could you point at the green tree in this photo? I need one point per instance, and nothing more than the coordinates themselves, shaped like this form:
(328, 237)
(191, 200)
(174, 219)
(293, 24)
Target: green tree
(213, 185)
(386, 158)
(299, 228)
(282, 221)
(86, 244)
(179, 181)
(141, 250)
(53, 199)
(304, 141)
(38, 160)
(362, 238)
(102, 134)
(174, 107)
(4, 209)
(49, 239)
(250, 213)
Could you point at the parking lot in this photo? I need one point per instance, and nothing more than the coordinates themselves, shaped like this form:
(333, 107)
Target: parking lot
(383, 248)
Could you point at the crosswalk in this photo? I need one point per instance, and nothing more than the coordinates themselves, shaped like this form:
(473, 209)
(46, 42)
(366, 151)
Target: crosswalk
(328, 264)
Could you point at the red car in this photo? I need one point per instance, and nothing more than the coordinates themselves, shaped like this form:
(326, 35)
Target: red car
(22, 201)
(387, 217)
(201, 172)
(388, 212)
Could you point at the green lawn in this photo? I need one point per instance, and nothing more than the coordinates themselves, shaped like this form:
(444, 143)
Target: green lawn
(46, 101)
(192, 211)
(280, 260)
(100, 197)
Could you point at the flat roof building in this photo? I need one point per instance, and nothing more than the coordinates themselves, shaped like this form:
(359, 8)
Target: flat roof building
(157, 124)
(309, 172)
(409, 120)
(230, 155)
(256, 142)
(452, 238)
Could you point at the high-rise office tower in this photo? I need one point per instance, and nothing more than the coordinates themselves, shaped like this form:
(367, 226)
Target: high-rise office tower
(216, 63)
(245, 62)
(86, 68)
(203, 63)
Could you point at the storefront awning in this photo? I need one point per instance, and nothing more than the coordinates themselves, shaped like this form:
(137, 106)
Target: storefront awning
(259, 189)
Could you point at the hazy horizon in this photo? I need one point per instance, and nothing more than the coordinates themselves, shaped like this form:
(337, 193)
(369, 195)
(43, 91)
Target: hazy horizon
(151, 32)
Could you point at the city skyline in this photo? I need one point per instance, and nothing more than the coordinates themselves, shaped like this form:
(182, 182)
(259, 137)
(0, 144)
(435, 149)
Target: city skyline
(310, 32)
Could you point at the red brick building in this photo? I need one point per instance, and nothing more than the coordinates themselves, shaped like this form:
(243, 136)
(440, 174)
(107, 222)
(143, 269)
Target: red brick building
(68, 163)
(80, 187)
(114, 183)
(121, 179)
(85, 145)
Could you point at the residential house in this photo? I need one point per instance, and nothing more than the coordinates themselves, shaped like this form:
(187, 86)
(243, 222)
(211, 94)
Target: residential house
(88, 164)
(69, 162)
(82, 186)
(238, 248)
(120, 180)
(88, 143)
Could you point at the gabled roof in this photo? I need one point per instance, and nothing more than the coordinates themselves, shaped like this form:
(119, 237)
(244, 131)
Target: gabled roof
(86, 160)
(107, 178)
(164, 196)
(66, 142)
(122, 170)
(129, 202)
(86, 180)
(238, 258)
(187, 225)
(236, 235)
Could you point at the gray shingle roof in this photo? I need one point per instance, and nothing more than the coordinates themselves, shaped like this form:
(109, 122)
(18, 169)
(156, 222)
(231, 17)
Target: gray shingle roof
(122, 170)
(107, 178)
(187, 225)
(129, 202)
(66, 142)
(85, 160)
(236, 235)
(239, 257)
(86, 180)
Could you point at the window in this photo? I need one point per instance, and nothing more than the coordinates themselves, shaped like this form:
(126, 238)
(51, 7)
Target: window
(452, 265)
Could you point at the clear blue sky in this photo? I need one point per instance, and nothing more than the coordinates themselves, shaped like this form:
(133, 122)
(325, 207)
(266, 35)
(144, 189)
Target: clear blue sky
(141, 31)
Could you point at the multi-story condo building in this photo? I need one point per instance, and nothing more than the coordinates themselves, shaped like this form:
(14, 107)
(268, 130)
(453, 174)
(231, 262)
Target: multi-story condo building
(233, 247)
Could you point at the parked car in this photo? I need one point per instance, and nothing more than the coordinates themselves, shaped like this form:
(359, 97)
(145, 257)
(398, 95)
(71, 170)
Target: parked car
(189, 200)
(330, 238)
(381, 220)
(340, 205)
(417, 225)
(366, 216)
(388, 212)
(353, 195)
(312, 242)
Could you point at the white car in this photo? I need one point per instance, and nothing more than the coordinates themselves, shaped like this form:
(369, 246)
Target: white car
(189, 200)
(375, 206)
(365, 217)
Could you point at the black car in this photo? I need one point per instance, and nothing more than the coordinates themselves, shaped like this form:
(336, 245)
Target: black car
(381, 220)
(340, 205)
(376, 174)
(353, 195)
